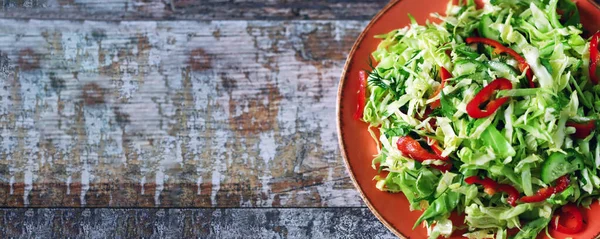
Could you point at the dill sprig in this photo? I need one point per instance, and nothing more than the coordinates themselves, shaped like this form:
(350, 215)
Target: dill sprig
(375, 78)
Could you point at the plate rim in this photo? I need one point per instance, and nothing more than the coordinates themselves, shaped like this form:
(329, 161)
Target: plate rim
(341, 142)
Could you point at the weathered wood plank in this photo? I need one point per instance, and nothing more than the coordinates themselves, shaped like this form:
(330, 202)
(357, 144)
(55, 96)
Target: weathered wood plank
(191, 10)
(178, 113)
(191, 223)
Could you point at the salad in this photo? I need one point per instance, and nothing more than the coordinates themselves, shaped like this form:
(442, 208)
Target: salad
(491, 114)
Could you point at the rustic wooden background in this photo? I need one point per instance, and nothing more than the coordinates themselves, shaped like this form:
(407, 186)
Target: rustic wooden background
(224, 105)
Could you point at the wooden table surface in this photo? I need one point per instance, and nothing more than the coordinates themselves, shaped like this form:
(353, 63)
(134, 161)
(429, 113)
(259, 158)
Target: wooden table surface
(159, 107)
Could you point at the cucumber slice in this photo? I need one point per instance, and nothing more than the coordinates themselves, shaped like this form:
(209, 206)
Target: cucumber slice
(486, 31)
(576, 159)
(467, 67)
(502, 69)
(578, 163)
(555, 166)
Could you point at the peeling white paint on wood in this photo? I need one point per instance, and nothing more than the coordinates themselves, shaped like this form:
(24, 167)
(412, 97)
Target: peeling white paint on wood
(241, 111)
(172, 122)
(28, 179)
(85, 183)
(160, 179)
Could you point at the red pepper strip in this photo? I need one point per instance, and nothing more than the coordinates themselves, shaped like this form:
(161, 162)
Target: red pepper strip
(562, 183)
(513, 194)
(361, 95)
(444, 167)
(428, 111)
(499, 48)
(425, 114)
(490, 186)
(437, 149)
(542, 194)
(486, 94)
(582, 130)
(411, 148)
(594, 57)
(445, 75)
(573, 223)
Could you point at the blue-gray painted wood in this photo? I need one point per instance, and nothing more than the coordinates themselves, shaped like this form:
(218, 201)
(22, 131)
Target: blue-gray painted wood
(117, 10)
(302, 223)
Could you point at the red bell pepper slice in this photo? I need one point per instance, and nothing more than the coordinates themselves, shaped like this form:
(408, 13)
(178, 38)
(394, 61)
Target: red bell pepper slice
(411, 148)
(569, 220)
(485, 95)
(444, 167)
(428, 111)
(513, 193)
(490, 187)
(542, 194)
(361, 95)
(445, 75)
(437, 149)
(594, 57)
(562, 183)
(499, 48)
(582, 130)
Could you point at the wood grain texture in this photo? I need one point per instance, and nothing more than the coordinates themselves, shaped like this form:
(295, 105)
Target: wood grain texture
(116, 10)
(175, 113)
(191, 223)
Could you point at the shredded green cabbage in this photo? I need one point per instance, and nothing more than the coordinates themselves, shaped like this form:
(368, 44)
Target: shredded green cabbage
(510, 146)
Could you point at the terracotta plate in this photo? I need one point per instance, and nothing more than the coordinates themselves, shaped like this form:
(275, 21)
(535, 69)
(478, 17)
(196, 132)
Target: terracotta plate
(358, 148)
